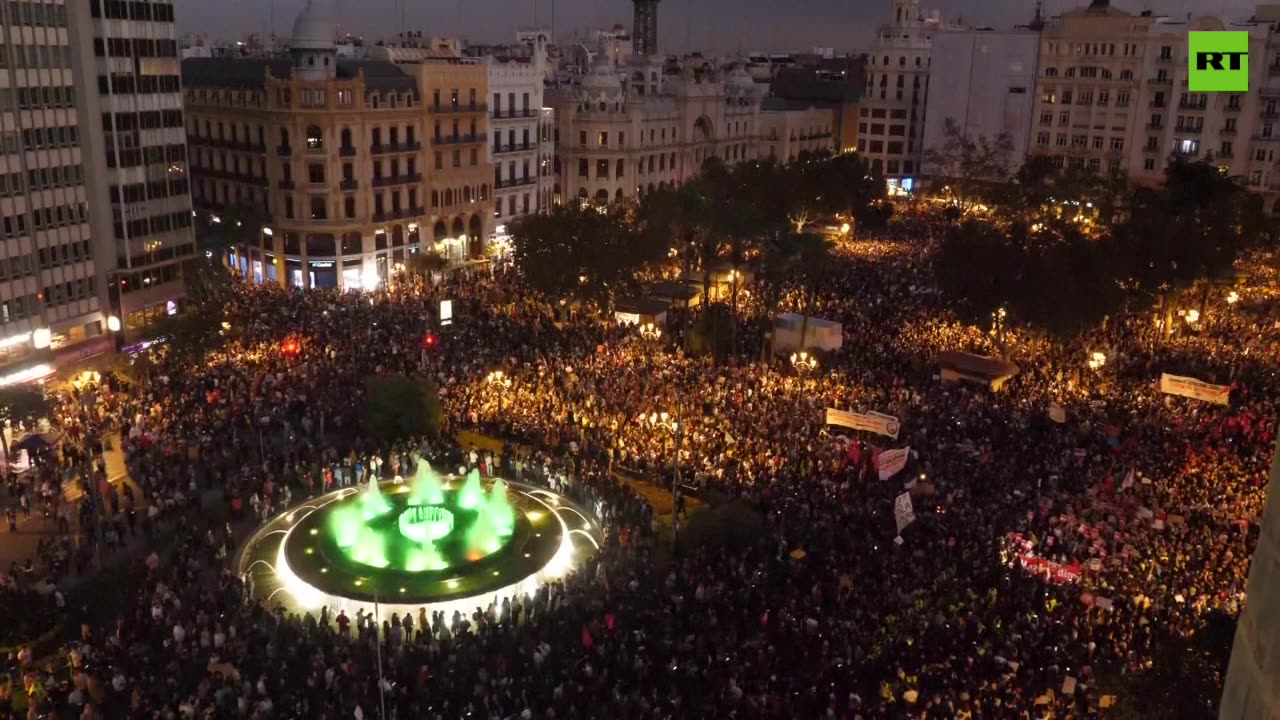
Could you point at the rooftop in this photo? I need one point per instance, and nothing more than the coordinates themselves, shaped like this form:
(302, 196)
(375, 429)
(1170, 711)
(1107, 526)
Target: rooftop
(251, 73)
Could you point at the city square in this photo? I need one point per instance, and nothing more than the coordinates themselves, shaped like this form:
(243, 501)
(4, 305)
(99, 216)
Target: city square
(605, 373)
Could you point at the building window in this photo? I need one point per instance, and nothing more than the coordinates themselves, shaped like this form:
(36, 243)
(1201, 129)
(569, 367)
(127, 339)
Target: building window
(602, 169)
(584, 168)
(315, 140)
(315, 173)
(349, 207)
(318, 210)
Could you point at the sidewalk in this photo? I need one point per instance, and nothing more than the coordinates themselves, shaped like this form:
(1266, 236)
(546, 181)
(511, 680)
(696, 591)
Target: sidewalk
(17, 547)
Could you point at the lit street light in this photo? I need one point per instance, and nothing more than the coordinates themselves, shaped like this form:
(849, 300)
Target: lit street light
(499, 379)
(649, 331)
(804, 363)
(1096, 361)
(665, 421)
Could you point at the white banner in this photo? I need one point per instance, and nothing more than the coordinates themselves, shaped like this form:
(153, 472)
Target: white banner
(1190, 387)
(875, 422)
(903, 513)
(892, 462)
(1057, 413)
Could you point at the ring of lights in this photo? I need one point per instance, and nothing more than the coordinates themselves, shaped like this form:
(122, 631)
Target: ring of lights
(296, 553)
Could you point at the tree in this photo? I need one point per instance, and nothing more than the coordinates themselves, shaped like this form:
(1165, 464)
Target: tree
(587, 254)
(20, 405)
(1044, 191)
(426, 265)
(240, 223)
(191, 334)
(1049, 275)
(398, 407)
(970, 165)
(1188, 232)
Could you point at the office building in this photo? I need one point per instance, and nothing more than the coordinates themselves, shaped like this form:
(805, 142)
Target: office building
(789, 128)
(984, 81)
(128, 80)
(53, 295)
(359, 163)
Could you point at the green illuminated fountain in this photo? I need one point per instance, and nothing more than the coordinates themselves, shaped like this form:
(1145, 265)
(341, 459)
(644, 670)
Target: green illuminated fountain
(422, 527)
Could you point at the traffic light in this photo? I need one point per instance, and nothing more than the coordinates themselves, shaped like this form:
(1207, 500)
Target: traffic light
(429, 341)
(291, 347)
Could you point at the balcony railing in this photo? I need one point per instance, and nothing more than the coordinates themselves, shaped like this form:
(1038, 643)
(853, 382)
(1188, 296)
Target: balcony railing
(400, 214)
(498, 114)
(347, 151)
(286, 185)
(397, 180)
(460, 108)
(395, 148)
(284, 150)
(227, 144)
(519, 147)
(462, 139)
(1189, 129)
(1160, 81)
(349, 185)
(232, 176)
(515, 182)
(1228, 131)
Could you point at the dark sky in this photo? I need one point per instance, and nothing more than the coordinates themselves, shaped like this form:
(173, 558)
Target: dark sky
(713, 25)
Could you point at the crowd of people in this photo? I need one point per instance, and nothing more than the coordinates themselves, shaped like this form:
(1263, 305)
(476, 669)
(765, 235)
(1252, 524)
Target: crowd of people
(1051, 555)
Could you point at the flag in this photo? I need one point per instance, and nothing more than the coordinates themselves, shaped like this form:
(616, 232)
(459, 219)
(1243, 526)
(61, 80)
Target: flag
(892, 462)
(903, 513)
(1128, 480)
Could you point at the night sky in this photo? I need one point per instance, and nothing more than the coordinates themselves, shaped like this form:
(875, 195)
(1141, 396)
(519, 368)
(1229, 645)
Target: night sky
(713, 25)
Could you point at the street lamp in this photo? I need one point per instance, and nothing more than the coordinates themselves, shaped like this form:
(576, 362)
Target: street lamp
(664, 420)
(1233, 297)
(1192, 316)
(804, 363)
(649, 331)
(1096, 361)
(499, 379)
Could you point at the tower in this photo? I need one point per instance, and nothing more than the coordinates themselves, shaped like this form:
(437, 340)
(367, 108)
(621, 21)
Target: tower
(644, 30)
(315, 54)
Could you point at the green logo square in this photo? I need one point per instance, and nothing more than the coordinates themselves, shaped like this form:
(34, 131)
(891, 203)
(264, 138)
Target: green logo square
(1218, 61)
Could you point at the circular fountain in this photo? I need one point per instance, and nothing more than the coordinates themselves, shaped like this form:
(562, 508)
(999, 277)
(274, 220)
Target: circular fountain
(431, 541)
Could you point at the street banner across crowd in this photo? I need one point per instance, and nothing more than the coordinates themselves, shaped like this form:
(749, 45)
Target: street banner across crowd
(903, 513)
(892, 462)
(1190, 387)
(875, 422)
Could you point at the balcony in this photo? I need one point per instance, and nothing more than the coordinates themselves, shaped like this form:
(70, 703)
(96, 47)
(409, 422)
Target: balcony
(349, 185)
(1155, 126)
(1194, 107)
(1165, 59)
(399, 214)
(515, 182)
(232, 176)
(1157, 104)
(284, 150)
(347, 151)
(317, 149)
(395, 148)
(519, 147)
(286, 185)
(1269, 114)
(462, 139)
(237, 145)
(1225, 154)
(1150, 148)
(397, 180)
(1227, 131)
(499, 114)
(1232, 108)
(1160, 81)
(459, 108)
(1188, 129)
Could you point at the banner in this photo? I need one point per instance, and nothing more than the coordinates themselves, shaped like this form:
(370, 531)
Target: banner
(1057, 413)
(1190, 387)
(903, 513)
(1052, 571)
(875, 422)
(892, 462)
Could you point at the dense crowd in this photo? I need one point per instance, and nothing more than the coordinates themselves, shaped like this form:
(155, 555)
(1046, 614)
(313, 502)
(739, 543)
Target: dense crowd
(1147, 503)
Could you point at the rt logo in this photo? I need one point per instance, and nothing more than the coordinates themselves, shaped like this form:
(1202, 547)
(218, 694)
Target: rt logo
(1218, 61)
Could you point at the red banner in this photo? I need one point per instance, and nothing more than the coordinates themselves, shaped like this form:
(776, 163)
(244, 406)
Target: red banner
(1052, 571)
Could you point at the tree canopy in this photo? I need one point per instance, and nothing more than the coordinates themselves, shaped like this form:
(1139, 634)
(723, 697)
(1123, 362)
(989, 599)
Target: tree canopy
(584, 253)
(398, 407)
(972, 165)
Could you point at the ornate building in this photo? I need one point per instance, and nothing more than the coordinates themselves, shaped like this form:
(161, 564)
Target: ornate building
(359, 163)
(625, 130)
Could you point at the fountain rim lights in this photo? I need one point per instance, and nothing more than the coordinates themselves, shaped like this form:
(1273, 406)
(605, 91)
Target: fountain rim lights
(308, 597)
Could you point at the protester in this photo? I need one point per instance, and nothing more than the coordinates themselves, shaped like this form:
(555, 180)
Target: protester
(1043, 556)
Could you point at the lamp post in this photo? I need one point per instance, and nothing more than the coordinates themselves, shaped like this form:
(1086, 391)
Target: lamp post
(804, 363)
(664, 420)
(649, 331)
(500, 380)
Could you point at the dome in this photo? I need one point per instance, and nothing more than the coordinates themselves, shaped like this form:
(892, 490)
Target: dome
(315, 28)
(739, 81)
(603, 77)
